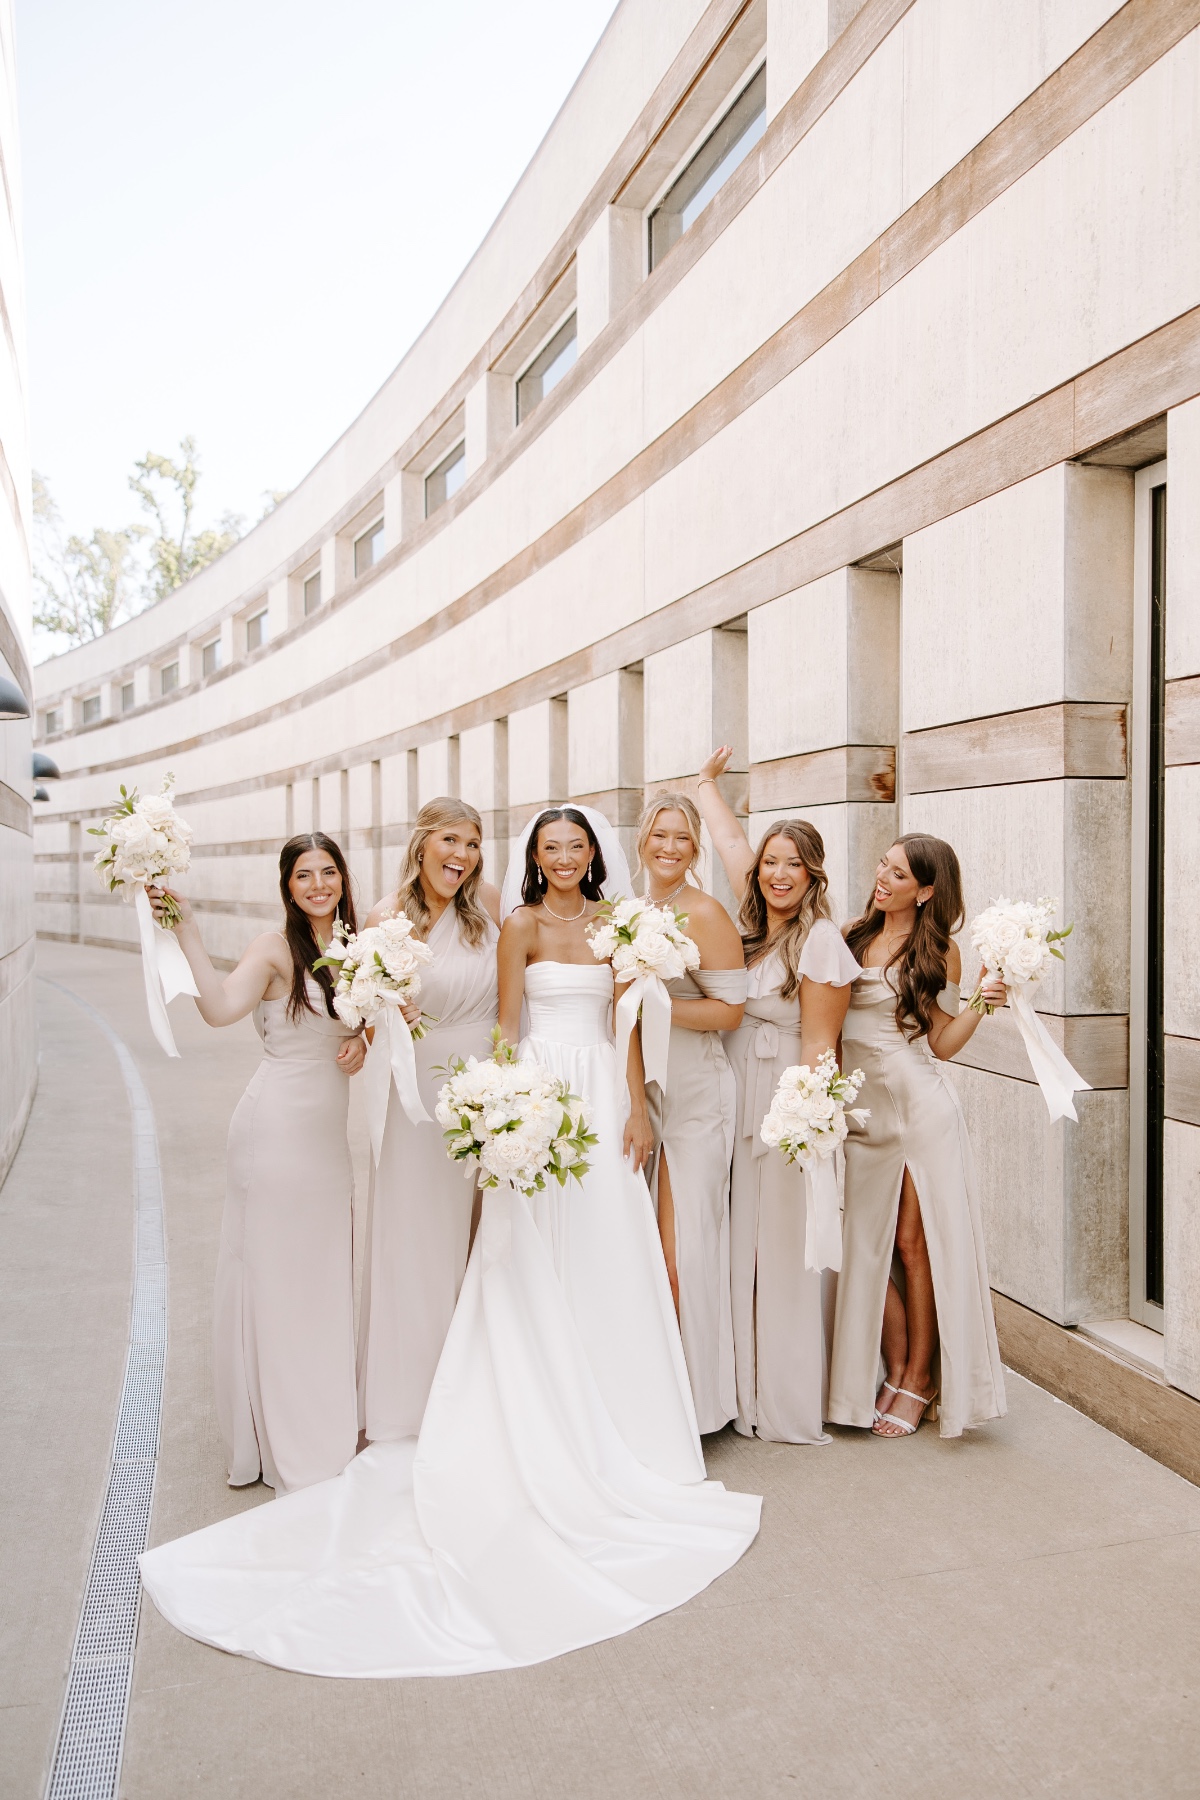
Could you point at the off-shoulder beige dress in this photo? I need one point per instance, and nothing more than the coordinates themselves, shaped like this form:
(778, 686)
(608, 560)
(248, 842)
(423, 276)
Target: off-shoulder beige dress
(693, 1122)
(916, 1121)
(283, 1332)
(419, 1202)
(782, 1312)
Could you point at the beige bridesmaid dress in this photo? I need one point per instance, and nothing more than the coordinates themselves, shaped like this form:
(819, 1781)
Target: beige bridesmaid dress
(694, 1123)
(916, 1121)
(283, 1332)
(782, 1312)
(419, 1206)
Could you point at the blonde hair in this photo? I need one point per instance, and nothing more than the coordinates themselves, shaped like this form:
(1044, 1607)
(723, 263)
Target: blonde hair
(752, 918)
(435, 815)
(661, 803)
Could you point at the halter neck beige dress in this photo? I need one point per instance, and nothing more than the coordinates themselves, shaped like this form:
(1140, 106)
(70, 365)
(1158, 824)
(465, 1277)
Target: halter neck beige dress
(916, 1121)
(694, 1123)
(419, 1205)
(782, 1312)
(283, 1327)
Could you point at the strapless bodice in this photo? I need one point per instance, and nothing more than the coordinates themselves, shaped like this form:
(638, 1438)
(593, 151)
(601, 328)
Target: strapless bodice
(570, 1003)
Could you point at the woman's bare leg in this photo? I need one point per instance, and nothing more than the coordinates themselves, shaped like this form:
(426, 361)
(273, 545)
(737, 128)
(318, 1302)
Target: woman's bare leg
(894, 1344)
(920, 1308)
(666, 1225)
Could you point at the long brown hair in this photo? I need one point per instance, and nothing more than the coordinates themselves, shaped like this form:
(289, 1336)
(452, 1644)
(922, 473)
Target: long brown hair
(435, 815)
(297, 927)
(752, 918)
(681, 803)
(920, 962)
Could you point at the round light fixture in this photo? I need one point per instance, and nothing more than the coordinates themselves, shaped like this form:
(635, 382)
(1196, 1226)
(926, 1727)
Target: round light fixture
(13, 704)
(45, 768)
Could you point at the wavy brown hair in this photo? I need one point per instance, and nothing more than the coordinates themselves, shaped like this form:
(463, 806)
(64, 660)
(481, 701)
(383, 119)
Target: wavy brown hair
(920, 962)
(436, 815)
(681, 803)
(297, 927)
(752, 918)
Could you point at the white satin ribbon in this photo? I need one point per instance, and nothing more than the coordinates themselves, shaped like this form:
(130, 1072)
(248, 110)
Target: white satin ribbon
(647, 993)
(390, 1058)
(164, 967)
(1055, 1076)
(823, 1226)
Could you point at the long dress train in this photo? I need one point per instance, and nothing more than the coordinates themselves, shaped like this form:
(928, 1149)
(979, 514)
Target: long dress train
(556, 1495)
(916, 1122)
(419, 1205)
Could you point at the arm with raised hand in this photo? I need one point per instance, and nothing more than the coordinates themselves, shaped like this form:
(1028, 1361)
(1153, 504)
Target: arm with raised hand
(223, 1001)
(729, 840)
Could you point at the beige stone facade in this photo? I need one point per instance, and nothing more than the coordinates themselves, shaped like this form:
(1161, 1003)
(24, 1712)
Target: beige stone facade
(860, 477)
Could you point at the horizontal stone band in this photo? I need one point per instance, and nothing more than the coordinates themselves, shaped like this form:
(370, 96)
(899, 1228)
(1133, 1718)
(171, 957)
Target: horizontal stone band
(1182, 1098)
(1078, 739)
(856, 772)
(1097, 1044)
(15, 811)
(1183, 721)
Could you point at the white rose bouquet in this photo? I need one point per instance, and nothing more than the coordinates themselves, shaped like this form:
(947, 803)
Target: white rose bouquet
(807, 1121)
(1015, 943)
(647, 946)
(145, 841)
(378, 973)
(516, 1121)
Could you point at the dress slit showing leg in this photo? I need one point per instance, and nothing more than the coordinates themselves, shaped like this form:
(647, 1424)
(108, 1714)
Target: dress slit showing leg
(671, 1258)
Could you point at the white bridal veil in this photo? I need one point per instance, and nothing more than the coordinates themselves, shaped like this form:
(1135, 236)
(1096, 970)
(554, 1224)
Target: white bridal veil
(617, 881)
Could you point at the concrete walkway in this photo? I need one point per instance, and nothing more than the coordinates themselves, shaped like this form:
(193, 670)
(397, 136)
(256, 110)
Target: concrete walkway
(1017, 1613)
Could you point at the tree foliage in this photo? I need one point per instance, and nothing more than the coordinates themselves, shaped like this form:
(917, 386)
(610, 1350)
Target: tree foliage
(167, 491)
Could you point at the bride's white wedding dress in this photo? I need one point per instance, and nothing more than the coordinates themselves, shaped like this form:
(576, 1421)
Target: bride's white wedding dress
(556, 1495)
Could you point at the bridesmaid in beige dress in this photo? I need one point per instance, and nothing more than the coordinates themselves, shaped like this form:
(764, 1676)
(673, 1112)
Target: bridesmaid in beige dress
(799, 974)
(693, 1121)
(419, 1207)
(914, 1275)
(283, 1328)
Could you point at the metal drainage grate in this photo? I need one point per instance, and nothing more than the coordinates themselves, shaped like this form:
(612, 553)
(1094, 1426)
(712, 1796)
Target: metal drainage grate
(91, 1735)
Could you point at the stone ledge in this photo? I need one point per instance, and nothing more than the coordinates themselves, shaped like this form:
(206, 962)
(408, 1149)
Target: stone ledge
(847, 772)
(1097, 1044)
(1182, 1079)
(1073, 739)
(1160, 1420)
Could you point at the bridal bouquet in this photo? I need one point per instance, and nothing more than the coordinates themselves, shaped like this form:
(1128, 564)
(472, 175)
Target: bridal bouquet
(647, 946)
(806, 1122)
(1015, 943)
(518, 1122)
(378, 972)
(145, 842)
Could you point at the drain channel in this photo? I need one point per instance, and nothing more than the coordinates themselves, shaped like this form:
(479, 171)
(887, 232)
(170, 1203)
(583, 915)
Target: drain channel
(91, 1734)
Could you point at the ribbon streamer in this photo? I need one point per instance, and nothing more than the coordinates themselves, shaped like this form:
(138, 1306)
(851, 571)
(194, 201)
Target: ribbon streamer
(823, 1225)
(164, 967)
(1055, 1076)
(647, 993)
(390, 1058)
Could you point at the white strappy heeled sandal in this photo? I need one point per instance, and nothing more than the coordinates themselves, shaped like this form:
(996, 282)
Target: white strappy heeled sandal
(891, 1390)
(904, 1429)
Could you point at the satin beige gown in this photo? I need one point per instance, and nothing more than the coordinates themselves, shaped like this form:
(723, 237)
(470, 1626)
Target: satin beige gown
(916, 1120)
(419, 1202)
(782, 1312)
(283, 1330)
(694, 1123)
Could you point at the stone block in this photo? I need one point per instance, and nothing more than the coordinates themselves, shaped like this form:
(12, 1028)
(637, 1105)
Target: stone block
(695, 698)
(537, 758)
(1183, 540)
(608, 269)
(604, 736)
(823, 665)
(489, 415)
(437, 769)
(1181, 916)
(1181, 1255)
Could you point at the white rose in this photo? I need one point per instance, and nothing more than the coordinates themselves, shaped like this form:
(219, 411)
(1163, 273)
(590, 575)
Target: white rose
(1026, 961)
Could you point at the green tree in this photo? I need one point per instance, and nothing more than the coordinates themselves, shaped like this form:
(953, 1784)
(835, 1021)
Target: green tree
(167, 490)
(82, 586)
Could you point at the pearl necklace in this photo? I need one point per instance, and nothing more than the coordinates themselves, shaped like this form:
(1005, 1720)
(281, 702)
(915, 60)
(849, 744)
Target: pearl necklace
(562, 919)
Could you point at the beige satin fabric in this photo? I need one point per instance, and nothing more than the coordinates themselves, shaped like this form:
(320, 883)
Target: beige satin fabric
(283, 1329)
(419, 1202)
(694, 1123)
(916, 1120)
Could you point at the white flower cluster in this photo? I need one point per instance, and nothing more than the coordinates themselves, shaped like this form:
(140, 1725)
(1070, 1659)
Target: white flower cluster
(640, 939)
(806, 1120)
(379, 967)
(1015, 942)
(517, 1121)
(145, 841)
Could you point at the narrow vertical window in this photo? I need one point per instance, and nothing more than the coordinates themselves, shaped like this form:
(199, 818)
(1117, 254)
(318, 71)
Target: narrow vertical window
(547, 368)
(312, 593)
(443, 482)
(127, 696)
(368, 548)
(708, 171)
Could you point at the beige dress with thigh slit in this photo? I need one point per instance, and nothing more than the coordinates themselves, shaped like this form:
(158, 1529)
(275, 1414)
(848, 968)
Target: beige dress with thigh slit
(782, 1312)
(283, 1332)
(693, 1123)
(419, 1206)
(916, 1122)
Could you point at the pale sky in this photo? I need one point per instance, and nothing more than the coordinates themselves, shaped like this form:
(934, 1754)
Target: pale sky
(238, 215)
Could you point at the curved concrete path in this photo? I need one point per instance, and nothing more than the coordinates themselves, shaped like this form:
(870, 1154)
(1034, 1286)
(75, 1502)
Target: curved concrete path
(1032, 1627)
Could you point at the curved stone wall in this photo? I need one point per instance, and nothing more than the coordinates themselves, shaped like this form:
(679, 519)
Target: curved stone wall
(849, 479)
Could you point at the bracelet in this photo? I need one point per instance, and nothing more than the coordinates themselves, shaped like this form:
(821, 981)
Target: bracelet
(704, 778)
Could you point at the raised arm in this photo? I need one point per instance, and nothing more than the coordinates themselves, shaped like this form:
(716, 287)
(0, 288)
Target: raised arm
(518, 937)
(729, 840)
(223, 1001)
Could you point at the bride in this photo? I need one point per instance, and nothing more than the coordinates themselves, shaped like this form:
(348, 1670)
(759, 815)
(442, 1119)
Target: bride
(556, 1495)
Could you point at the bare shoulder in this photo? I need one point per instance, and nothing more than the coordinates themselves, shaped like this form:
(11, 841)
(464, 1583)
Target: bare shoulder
(712, 929)
(953, 963)
(383, 909)
(489, 899)
(270, 949)
(520, 927)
